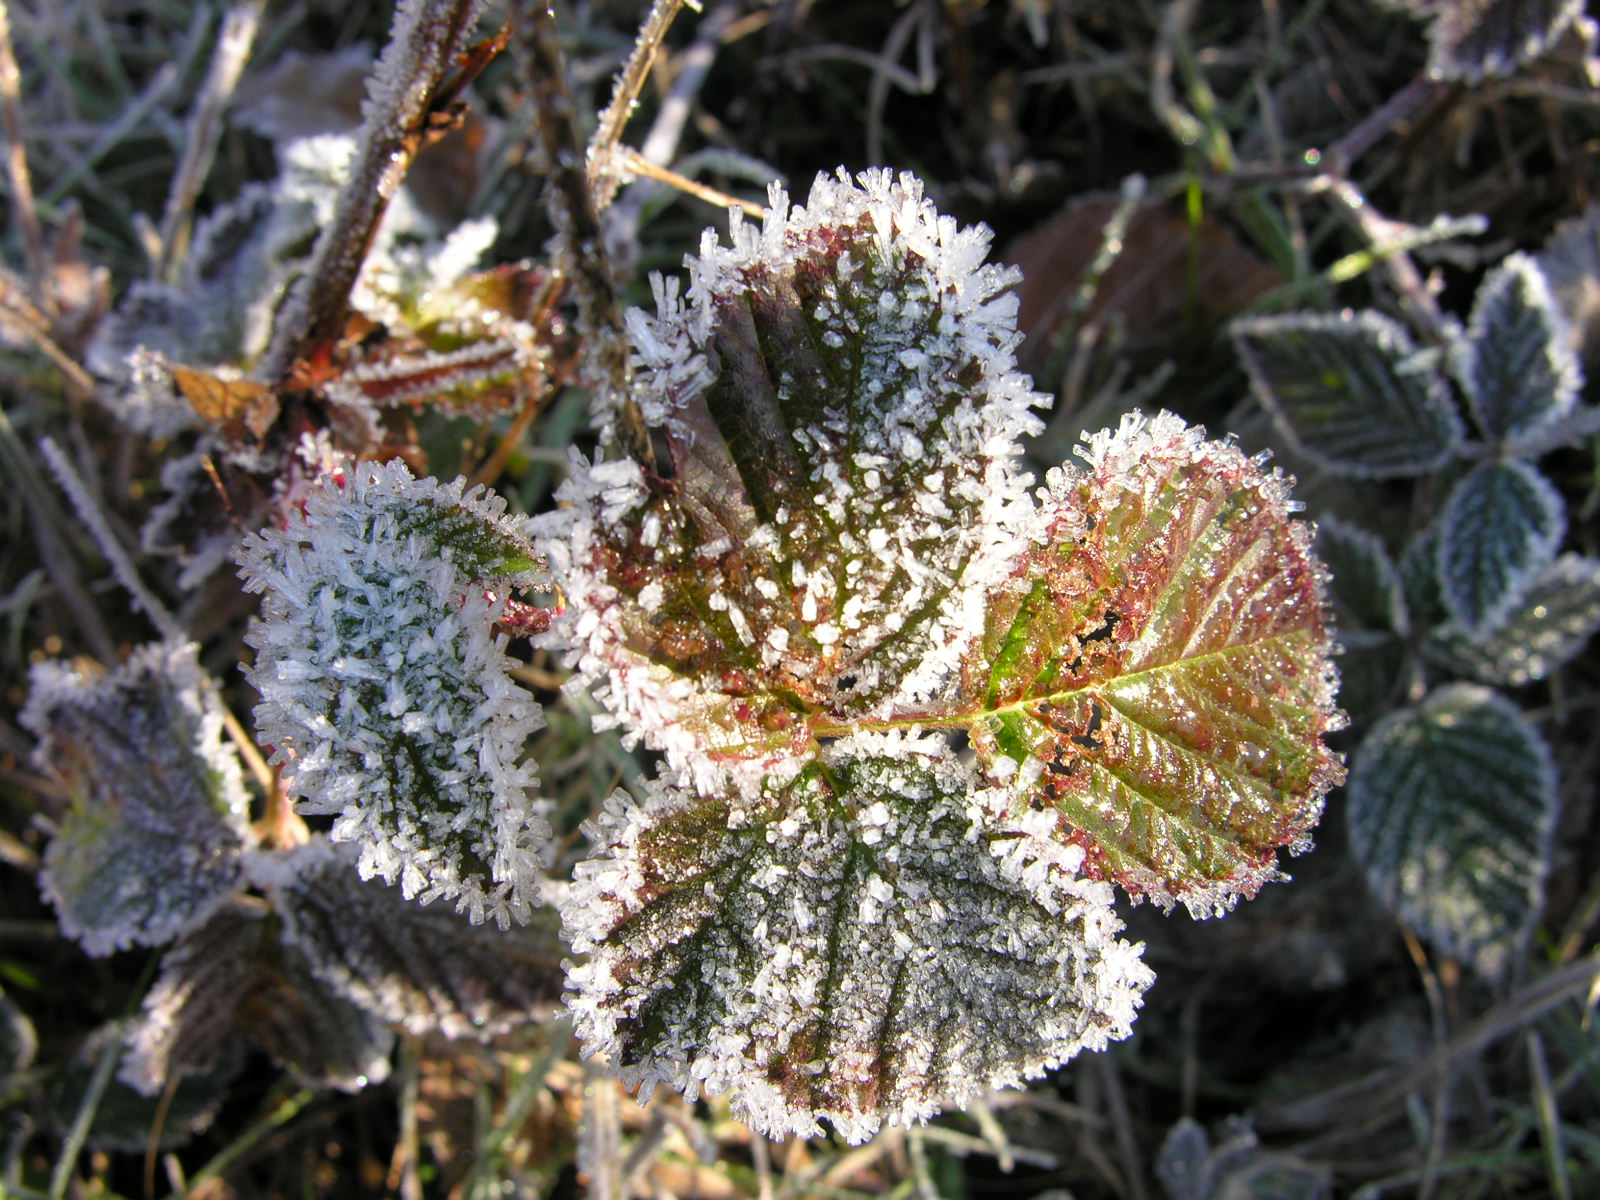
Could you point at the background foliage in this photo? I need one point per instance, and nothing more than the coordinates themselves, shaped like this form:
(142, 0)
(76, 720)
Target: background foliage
(1358, 235)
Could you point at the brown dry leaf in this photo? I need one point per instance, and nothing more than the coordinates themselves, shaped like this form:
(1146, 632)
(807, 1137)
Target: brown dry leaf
(1166, 264)
(233, 405)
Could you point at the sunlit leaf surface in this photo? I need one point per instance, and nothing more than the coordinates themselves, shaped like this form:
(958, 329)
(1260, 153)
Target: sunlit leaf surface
(1158, 667)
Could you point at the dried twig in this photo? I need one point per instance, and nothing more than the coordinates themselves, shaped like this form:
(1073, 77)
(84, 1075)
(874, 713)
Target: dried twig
(205, 127)
(604, 178)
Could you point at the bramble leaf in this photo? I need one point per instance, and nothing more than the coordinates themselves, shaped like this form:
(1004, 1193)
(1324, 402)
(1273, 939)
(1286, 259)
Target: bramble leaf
(1366, 581)
(1516, 366)
(1352, 392)
(1557, 615)
(234, 977)
(1500, 527)
(385, 691)
(838, 394)
(1159, 667)
(1452, 806)
(856, 945)
(425, 969)
(151, 842)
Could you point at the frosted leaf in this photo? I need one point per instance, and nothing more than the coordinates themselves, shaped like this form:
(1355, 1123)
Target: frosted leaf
(1452, 806)
(1237, 1168)
(425, 969)
(838, 392)
(1159, 661)
(1570, 264)
(859, 945)
(1366, 581)
(1351, 392)
(385, 691)
(1500, 527)
(151, 840)
(1473, 38)
(1516, 366)
(232, 978)
(1557, 615)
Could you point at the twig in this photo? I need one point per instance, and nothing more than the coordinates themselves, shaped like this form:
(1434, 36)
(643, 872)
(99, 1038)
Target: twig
(604, 180)
(425, 41)
(638, 165)
(1122, 1126)
(1439, 1118)
(17, 311)
(1342, 154)
(23, 211)
(580, 247)
(205, 127)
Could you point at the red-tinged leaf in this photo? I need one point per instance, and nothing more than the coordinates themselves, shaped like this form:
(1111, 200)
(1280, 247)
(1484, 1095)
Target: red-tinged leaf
(1157, 669)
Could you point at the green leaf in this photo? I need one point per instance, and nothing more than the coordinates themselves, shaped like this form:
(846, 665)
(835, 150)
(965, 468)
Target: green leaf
(234, 978)
(1366, 582)
(1158, 667)
(838, 393)
(1500, 527)
(1518, 371)
(151, 841)
(1452, 806)
(857, 945)
(425, 969)
(1557, 615)
(386, 692)
(1351, 391)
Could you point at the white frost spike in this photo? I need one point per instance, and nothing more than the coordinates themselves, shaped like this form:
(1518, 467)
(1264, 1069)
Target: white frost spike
(861, 946)
(385, 692)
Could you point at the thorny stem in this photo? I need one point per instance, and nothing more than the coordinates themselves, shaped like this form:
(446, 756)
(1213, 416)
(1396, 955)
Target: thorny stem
(580, 246)
(428, 37)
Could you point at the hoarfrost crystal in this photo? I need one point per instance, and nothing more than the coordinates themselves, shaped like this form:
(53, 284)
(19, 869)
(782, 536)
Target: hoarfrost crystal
(385, 691)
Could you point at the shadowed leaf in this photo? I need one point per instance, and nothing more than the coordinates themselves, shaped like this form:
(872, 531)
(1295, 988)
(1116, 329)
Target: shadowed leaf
(1500, 527)
(151, 842)
(1557, 615)
(1452, 804)
(1351, 391)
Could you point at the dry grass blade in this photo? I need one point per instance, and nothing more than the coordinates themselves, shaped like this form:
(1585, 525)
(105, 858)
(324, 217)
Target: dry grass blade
(604, 176)
(205, 128)
(580, 245)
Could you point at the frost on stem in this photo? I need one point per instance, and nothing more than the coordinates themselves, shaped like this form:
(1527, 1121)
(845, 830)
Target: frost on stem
(385, 691)
(838, 395)
(1158, 666)
(151, 841)
(848, 948)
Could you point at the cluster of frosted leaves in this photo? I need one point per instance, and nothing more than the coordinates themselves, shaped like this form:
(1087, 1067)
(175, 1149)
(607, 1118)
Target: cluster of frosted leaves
(386, 693)
(1157, 668)
(235, 977)
(1469, 39)
(1452, 807)
(857, 944)
(838, 394)
(423, 969)
(150, 843)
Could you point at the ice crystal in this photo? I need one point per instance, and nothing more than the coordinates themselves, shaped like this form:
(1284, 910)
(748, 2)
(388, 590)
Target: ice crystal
(849, 948)
(151, 842)
(385, 690)
(1159, 661)
(838, 394)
